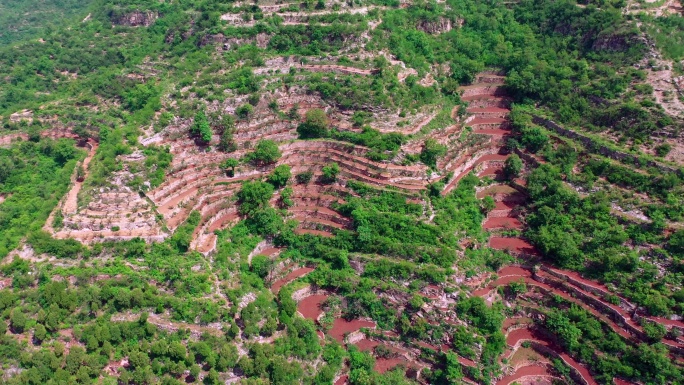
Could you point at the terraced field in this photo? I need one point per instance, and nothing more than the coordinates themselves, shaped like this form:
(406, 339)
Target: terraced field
(348, 193)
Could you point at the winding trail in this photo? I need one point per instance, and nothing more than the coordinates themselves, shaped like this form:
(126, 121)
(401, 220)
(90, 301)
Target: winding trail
(71, 199)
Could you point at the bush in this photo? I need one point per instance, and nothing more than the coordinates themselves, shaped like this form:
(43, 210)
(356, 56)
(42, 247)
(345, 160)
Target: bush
(280, 175)
(18, 321)
(304, 177)
(265, 152)
(229, 165)
(330, 172)
(254, 196)
(42, 242)
(513, 166)
(431, 151)
(488, 204)
(244, 111)
(663, 149)
(315, 125)
(654, 331)
(200, 127)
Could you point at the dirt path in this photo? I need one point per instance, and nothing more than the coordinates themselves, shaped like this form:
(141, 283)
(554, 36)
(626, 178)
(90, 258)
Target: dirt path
(71, 199)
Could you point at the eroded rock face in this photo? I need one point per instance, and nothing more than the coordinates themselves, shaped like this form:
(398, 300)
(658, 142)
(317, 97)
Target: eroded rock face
(135, 19)
(22, 115)
(436, 27)
(616, 42)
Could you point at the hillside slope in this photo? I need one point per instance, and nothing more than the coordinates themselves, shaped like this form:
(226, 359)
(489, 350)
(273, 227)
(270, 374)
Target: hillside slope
(24, 19)
(370, 192)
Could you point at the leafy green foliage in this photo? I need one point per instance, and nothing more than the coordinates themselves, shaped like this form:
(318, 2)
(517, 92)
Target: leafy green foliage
(513, 166)
(230, 164)
(200, 127)
(265, 152)
(254, 196)
(330, 172)
(315, 125)
(32, 187)
(21, 19)
(431, 151)
(280, 175)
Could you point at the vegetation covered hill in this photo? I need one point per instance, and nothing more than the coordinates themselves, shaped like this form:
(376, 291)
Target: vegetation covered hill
(25, 19)
(360, 192)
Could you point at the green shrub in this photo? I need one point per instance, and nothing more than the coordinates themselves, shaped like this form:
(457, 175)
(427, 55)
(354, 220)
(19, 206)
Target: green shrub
(330, 172)
(265, 152)
(280, 175)
(304, 177)
(254, 195)
(200, 127)
(431, 151)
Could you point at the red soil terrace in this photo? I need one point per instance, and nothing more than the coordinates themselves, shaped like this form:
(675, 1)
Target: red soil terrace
(514, 245)
(515, 337)
(526, 371)
(366, 344)
(275, 287)
(310, 307)
(341, 327)
(502, 223)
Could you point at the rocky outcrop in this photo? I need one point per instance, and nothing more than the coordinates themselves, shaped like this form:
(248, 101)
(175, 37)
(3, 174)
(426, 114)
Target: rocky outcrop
(26, 115)
(134, 18)
(616, 42)
(436, 27)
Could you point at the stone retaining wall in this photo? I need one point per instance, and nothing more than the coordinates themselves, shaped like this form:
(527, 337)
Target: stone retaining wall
(591, 145)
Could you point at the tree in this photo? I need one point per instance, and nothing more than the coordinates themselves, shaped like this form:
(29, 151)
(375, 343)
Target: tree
(315, 125)
(200, 127)
(18, 321)
(534, 139)
(265, 222)
(212, 378)
(360, 360)
(286, 197)
(513, 166)
(453, 374)
(40, 333)
(229, 165)
(431, 151)
(261, 265)
(566, 331)
(265, 152)
(195, 371)
(226, 142)
(330, 172)
(6, 168)
(280, 175)
(141, 96)
(254, 196)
